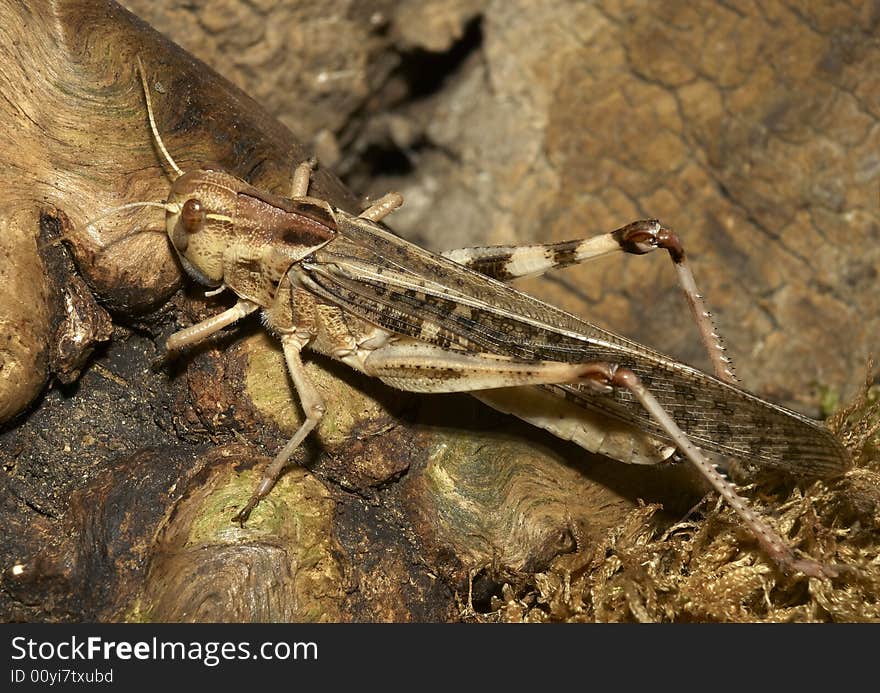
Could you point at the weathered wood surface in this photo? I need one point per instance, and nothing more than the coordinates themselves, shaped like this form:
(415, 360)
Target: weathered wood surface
(753, 133)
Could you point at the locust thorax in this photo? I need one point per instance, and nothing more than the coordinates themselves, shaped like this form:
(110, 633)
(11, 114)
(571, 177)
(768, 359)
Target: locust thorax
(200, 220)
(229, 233)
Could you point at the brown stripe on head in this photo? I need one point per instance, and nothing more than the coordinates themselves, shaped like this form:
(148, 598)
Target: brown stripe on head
(300, 224)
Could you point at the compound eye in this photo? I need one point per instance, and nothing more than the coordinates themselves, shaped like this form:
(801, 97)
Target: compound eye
(192, 216)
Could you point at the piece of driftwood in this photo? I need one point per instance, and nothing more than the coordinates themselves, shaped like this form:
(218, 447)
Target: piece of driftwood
(118, 488)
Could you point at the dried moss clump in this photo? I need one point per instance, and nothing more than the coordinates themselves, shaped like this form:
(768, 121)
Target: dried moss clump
(706, 568)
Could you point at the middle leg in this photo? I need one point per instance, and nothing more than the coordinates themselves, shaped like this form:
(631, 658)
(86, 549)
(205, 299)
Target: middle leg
(313, 407)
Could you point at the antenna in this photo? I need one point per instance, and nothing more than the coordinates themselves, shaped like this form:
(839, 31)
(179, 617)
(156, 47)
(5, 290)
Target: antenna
(153, 127)
(167, 206)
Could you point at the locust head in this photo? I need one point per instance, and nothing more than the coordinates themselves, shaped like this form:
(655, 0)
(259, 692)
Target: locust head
(199, 221)
(226, 232)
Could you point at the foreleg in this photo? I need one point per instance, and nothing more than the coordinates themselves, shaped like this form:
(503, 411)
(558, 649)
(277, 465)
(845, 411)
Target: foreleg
(201, 331)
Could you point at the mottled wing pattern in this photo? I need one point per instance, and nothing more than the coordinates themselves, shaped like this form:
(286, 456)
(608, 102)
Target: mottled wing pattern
(410, 291)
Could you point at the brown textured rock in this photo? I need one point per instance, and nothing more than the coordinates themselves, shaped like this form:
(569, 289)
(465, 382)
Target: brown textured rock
(307, 64)
(753, 137)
